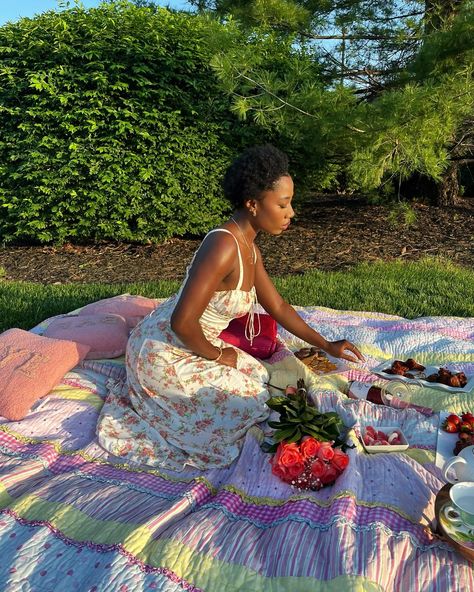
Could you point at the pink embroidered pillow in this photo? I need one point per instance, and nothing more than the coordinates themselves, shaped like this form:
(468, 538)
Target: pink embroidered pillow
(132, 308)
(30, 366)
(105, 334)
(263, 346)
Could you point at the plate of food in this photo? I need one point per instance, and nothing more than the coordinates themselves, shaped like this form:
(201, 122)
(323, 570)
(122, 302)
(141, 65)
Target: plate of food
(319, 361)
(383, 439)
(440, 377)
(455, 432)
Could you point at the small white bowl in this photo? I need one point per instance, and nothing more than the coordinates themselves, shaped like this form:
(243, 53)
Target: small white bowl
(390, 447)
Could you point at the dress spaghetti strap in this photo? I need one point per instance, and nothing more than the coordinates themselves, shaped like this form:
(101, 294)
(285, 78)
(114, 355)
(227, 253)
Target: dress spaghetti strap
(241, 267)
(250, 331)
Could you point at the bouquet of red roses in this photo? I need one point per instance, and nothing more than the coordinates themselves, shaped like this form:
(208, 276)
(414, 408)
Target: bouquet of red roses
(308, 445)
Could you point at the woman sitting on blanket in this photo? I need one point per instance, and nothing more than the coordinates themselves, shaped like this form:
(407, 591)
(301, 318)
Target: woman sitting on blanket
(190, 398)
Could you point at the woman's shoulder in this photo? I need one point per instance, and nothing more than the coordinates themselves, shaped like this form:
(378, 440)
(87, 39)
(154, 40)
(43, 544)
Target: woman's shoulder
(220, 232)
(220, 236)
(218, 244)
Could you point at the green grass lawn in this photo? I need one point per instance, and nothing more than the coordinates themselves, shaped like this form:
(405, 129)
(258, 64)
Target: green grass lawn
(427, 287)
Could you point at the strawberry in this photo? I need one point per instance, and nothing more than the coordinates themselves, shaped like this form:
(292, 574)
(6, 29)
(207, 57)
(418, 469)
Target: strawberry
(466, 426)
(369, 430)
(467, 417)
(455, 418)
(450, 427)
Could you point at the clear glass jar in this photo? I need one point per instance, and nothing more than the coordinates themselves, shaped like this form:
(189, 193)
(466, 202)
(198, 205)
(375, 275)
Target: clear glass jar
(398, 393)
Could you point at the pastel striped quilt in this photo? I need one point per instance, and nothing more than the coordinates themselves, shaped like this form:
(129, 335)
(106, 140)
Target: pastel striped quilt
(74, 518)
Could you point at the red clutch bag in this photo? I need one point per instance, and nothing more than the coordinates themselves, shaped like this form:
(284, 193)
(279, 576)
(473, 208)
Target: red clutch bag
(263, 345)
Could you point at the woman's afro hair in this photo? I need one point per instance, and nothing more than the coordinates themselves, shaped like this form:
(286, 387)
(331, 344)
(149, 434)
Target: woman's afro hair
(256, 170)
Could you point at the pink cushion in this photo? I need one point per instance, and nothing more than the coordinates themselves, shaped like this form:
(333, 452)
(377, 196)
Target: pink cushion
(132, 308)
(30, 366)
(263, 346)
(105, 334)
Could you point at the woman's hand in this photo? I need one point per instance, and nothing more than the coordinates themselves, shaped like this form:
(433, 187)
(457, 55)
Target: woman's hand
(339, 349)
(228, 357)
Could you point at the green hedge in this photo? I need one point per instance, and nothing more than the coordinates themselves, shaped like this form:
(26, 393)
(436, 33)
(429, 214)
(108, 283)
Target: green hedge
(113, 126)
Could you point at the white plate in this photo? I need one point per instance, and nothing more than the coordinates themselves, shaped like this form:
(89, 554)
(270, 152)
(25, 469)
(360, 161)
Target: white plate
(391, 447)
(445, 443)
(419, 376)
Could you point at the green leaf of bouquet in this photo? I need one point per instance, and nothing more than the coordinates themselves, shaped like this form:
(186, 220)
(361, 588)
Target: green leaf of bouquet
(283, 423)
(280, 435)
(267, 446)
(276, 403)
(311, 432)
(332, 416)
(276, 425)
(296, 436)
(272, 448)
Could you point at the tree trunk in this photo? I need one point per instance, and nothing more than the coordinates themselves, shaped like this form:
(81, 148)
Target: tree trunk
(448, 187)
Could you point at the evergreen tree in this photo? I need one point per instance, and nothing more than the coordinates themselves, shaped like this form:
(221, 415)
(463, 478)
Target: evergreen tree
(393, 96)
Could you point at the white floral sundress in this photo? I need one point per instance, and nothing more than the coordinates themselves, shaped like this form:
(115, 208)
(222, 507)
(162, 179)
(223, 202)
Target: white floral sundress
(180, 409)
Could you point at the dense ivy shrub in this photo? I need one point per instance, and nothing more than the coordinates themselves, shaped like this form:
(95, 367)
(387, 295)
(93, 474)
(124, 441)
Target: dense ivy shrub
(112, 126)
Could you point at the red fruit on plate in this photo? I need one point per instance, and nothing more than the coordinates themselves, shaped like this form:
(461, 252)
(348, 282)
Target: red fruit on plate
(464, 437)
(466, 426)
(467, 417)
(369, 430)
(450, 427)
(455, 418)
(381, 435)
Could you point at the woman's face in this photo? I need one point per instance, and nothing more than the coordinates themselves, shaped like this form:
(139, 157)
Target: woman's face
(274, 210)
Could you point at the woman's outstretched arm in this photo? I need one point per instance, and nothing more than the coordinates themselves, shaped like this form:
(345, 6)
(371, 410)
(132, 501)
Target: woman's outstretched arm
(287, 317)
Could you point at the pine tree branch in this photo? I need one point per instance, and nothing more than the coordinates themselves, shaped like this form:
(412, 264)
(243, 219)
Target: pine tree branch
(365, 37)
(272, 94)
(398, 16)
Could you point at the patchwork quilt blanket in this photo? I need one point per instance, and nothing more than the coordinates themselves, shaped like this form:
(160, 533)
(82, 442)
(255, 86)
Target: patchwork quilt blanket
(74, 518)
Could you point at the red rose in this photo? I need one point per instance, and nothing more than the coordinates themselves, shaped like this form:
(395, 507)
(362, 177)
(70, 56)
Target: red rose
(287, 462)
(280, 472)
(277, 468)
(290, 454)
(309, 447)
(329, 475)
(296, 470)
(318, 468)
(340, 460)
(326, 451)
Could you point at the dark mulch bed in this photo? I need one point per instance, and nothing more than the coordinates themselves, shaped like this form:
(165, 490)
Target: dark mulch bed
(330, 233)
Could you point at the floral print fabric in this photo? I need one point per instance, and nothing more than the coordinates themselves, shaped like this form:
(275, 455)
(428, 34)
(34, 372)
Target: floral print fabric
(179, 409)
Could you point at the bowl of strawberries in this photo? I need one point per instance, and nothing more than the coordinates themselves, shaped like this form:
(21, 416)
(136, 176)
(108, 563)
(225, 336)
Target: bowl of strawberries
(462, 425)
(383, 439)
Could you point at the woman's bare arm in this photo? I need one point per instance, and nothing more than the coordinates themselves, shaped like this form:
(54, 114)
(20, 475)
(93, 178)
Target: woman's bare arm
(287, 317)
(214, 263)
